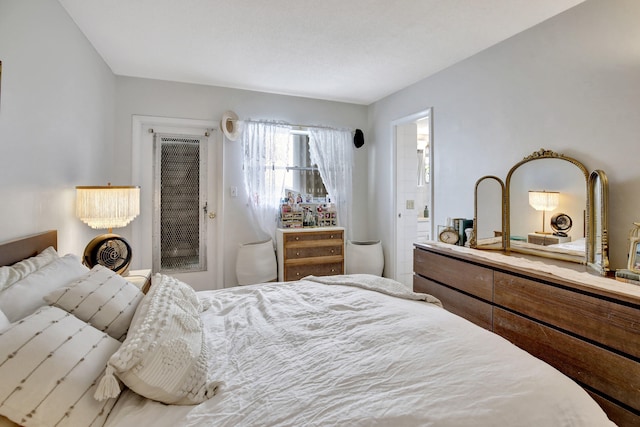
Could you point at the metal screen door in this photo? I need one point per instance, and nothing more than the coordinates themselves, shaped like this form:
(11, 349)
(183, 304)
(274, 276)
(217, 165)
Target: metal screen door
(179, 225)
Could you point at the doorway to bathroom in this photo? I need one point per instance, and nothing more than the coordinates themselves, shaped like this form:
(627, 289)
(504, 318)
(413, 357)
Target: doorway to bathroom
(413, 142)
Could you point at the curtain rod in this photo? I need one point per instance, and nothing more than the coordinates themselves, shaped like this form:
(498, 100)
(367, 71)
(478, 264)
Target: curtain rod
(300, 128)
(292, 168)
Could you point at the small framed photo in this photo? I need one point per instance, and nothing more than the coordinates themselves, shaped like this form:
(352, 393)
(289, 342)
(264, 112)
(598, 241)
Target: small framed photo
(634, 255)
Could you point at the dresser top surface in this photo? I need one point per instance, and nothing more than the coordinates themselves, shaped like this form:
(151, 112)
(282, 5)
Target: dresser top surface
(563, 273)
(309, 229)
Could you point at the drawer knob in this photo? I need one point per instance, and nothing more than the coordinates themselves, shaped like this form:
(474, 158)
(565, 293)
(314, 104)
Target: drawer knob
(331, 237)
(297, 238)
(333, 270)
(297, 253)
(297, 274)
(333, 251)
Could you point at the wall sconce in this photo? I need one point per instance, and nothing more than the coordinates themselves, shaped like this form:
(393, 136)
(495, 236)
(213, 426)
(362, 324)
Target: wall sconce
(108, 207)
(544, 201)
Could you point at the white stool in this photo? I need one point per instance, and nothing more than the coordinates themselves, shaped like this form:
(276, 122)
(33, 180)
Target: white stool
(256, 263)
(364, 257)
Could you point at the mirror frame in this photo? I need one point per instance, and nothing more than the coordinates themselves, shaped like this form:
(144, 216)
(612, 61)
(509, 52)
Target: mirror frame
(603, 265)
(634, 245)
(540, 155)
(591, 216)
(473, 243)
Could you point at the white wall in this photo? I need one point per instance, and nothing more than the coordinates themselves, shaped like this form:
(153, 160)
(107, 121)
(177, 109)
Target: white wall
(570, 84)
(56, 121)
(169, 99)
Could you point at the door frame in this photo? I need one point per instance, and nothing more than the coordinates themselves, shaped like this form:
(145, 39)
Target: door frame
(142, 240)
(420, 115)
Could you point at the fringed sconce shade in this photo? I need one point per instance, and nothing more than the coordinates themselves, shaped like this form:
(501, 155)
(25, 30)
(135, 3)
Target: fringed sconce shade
(544, 201)
(107, 207)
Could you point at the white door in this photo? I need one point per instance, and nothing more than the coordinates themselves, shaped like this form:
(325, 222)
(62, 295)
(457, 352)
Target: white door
(413, 190)
(147, 233)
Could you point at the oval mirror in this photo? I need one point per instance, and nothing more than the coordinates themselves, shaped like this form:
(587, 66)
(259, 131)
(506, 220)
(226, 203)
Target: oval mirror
(547, 205)
(488, 224)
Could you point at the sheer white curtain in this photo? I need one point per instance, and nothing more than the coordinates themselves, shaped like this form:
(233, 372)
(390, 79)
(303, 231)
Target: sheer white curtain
(266, 151)
(332, 151)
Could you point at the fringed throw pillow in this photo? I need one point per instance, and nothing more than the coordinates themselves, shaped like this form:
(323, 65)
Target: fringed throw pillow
(165, 355)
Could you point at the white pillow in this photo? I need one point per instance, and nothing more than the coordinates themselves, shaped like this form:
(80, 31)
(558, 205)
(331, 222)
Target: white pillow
(165, 355)
(26, 295)
(50, 362)
(11, 274)
(4, 322)
(101, 298)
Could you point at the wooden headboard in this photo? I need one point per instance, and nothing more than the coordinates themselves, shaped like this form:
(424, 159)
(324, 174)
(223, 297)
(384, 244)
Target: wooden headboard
(25, 247)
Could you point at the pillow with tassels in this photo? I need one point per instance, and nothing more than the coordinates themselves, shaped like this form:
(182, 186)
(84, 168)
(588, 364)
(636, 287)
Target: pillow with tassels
(165, 355)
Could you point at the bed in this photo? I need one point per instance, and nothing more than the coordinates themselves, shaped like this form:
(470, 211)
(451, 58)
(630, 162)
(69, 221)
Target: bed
(340, 350)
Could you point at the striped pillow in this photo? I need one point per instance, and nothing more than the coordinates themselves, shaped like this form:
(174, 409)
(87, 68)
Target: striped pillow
(50, 363)
(101, 298)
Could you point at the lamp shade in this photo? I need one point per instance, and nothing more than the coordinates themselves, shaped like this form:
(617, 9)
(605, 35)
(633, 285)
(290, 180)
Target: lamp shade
(544, 200)
(107, 207)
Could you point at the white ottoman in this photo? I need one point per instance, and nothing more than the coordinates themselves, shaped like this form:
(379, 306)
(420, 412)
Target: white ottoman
(364, 257)
(256, 263)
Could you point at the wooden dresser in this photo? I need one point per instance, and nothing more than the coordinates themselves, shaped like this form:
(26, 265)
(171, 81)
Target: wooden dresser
(312, 251)
(587, 329)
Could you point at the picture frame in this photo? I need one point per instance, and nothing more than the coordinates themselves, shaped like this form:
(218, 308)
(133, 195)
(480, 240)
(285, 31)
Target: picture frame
(634, 255)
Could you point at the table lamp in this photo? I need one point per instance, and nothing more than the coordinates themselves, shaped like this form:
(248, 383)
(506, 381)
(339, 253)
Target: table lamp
(108, 207)
(544, 201)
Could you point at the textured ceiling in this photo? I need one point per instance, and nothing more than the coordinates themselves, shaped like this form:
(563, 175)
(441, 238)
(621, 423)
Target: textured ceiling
(355, 51)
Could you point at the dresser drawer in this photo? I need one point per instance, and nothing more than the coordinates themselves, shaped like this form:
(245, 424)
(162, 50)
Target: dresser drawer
(576, 312)
(472, 309)
(309, 252)
(296, 272)
(313, 238)
(603, 370)
(467, 277)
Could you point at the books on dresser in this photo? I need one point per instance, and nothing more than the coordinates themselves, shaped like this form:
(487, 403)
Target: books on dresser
(628, 276)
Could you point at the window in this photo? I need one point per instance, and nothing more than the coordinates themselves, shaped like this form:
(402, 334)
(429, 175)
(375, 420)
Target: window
(179, 195)
(265, 169)
(302, 176)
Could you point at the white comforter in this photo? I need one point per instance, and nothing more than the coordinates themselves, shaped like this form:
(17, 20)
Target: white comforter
(311, 354)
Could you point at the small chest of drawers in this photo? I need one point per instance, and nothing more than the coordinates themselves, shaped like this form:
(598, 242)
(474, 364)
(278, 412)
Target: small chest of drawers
(304, 252)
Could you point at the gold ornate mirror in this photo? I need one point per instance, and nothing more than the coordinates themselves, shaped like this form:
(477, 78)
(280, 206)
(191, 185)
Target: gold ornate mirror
(488, 217)
(551, 207)
(538, 188)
